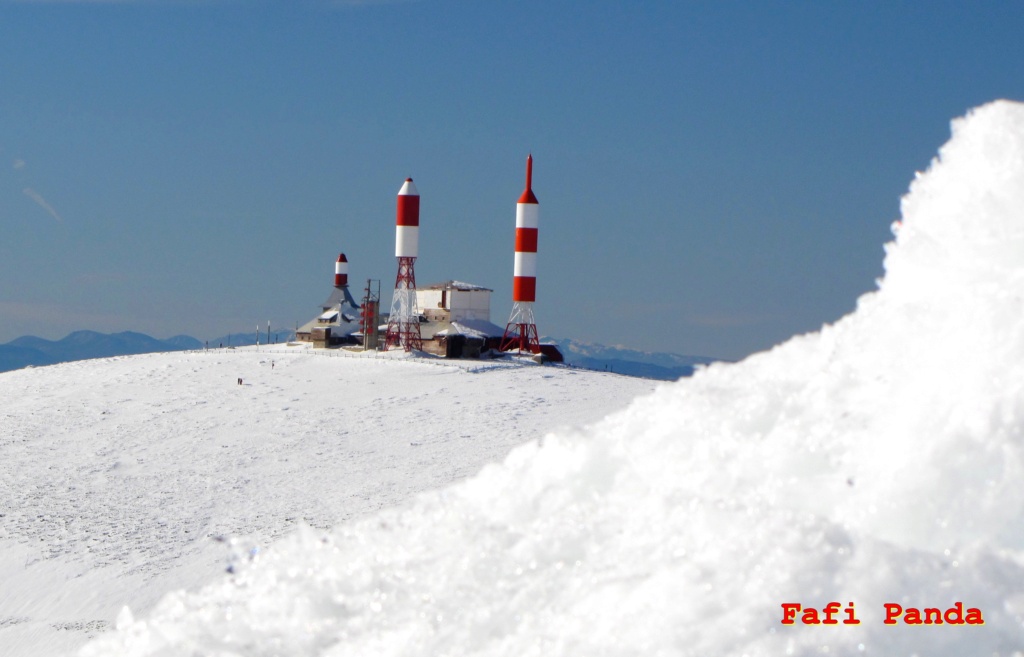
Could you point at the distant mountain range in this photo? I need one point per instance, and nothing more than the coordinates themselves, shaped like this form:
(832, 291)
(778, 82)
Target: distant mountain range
(663, 365)
(81, 345)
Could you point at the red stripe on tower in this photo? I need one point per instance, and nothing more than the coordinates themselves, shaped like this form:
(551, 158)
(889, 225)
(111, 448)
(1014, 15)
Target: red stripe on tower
(526, 240)
(341, 271)
(524, 288)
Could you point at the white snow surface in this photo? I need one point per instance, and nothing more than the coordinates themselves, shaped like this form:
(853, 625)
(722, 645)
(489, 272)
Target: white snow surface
(121, 474)
(878, 460)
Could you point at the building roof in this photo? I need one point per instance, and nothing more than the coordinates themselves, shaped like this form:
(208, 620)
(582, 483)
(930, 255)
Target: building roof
(479, 328)
(340, 313)
(457, 285)
(340, 295)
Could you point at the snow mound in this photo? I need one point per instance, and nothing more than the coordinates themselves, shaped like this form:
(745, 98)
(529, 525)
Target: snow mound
(876, 461)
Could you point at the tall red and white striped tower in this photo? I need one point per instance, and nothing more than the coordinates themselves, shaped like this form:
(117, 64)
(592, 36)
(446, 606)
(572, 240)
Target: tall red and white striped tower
(341, 271)
(521, 330)
(404, 322)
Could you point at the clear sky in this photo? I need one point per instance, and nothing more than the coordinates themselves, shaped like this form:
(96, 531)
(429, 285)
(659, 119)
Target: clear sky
(713, 176)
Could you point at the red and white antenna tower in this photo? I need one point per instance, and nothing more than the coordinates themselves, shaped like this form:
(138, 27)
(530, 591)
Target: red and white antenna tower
(404, 321)
(521, 330)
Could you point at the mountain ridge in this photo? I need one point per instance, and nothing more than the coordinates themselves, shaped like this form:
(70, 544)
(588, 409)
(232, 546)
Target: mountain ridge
(30, 350)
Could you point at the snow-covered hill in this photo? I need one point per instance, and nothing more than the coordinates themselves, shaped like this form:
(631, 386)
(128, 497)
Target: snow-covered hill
(876, 462)
(120, 475)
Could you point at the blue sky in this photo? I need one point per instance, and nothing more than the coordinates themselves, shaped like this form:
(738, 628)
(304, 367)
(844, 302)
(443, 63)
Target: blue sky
(713, 176)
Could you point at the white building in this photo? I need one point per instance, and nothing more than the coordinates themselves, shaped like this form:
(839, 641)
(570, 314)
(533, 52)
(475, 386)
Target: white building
(457, 320)
(454, 301)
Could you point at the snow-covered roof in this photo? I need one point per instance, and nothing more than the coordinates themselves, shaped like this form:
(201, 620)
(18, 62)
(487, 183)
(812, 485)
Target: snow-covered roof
(430, 328)
(340, 296)
(345, 324)
(479, 328)
(339, 303)
(458, 285)
(337, 330)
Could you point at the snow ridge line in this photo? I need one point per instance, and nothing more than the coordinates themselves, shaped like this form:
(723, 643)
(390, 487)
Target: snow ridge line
(420, 360)
(464, 366)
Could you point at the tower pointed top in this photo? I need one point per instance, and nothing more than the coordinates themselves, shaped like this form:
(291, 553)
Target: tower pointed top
(527, 196)
(408, 188)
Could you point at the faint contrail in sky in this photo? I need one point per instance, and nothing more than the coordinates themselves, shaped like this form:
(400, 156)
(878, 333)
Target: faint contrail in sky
(34, 195)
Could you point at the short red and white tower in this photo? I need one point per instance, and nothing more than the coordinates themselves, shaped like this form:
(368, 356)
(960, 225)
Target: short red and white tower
(404, 321)
(341, 271)
(521, 330)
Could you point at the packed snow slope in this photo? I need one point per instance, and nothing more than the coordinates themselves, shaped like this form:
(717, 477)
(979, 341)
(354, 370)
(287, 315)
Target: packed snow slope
(876, 461)
(118, 476)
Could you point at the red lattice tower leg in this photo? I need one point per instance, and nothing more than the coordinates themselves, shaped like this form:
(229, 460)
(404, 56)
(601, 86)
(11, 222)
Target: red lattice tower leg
(404, 321)
(521, 330)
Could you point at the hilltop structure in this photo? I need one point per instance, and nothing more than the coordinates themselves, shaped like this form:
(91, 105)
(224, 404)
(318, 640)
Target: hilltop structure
(451, 319)
(456, 320)
(339, 320)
